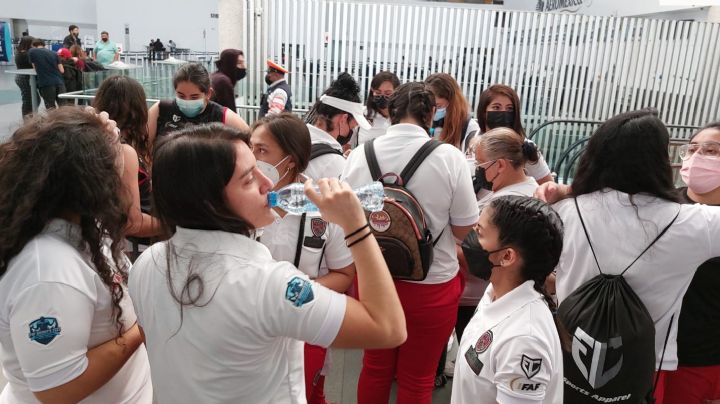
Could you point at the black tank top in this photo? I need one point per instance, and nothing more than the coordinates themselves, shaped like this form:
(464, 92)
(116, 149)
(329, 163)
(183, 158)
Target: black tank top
(171, 119)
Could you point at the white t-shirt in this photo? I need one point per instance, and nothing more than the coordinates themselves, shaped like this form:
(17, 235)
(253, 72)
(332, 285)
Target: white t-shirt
(510, 352)
(474, 286)
(620, 232)
(328, 165)
(442, 185)
(54, 307)
(236, 347)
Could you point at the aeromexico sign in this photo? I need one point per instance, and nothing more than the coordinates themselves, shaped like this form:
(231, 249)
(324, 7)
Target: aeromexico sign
(568, 6)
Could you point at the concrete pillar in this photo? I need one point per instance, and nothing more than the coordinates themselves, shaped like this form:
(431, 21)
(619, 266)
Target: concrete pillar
(231, 24)
(714, 14)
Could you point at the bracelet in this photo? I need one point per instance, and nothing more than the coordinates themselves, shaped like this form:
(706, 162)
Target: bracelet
(360, 239)
(357, 231)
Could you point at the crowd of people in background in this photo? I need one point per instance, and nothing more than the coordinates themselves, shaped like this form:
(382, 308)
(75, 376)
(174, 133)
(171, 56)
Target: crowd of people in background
(141, 261)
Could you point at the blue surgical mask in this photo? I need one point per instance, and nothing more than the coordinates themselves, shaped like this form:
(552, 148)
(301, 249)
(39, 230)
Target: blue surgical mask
(439, 114)
(190, 108)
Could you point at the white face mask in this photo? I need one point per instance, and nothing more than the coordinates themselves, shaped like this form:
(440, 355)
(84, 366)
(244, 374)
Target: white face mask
(271, 171)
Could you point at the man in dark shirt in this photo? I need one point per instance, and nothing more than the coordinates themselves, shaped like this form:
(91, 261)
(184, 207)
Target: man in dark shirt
(73, 38)
(49, 73)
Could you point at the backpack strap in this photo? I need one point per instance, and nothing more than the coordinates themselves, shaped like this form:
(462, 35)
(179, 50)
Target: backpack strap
(662, 357)
(582, 222)
(321, 149)
(417, 159)
(301, 235)
(371, 158)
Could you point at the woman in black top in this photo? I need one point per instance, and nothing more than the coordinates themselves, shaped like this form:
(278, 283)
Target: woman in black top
(697, 377)
(191, 105)
(22, 61)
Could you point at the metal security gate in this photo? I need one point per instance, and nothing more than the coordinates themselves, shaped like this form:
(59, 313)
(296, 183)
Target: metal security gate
(563, 66)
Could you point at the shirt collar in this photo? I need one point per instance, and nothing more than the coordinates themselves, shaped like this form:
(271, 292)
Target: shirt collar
(496, 311)
(276, 82)
(318, 135)
(217, 241)
(407, 130)
(65, 230)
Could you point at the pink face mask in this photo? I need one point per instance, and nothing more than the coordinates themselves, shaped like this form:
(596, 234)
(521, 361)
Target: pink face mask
(701, 173)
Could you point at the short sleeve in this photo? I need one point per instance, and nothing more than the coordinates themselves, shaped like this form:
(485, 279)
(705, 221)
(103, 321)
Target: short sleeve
(713, 218)
(523, 370)
(337, 255)
(300, 308)
(50, 328)
(463, 208)
(538, 170)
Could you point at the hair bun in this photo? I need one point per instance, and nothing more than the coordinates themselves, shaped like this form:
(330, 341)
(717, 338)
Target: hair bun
(345, 84)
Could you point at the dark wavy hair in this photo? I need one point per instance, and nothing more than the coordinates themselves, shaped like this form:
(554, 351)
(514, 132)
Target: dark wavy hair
(533, 228)
(292, 135)
(123, 98)
(486, 98)
(412, 100)
(376, 82)
(628, 153)
(444, 85)
(58, 164)
(344, 87)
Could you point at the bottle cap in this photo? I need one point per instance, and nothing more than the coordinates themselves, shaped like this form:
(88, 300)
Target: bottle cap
(272, 199)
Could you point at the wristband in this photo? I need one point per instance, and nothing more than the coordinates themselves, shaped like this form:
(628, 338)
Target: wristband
(359, 240)
(357, 231)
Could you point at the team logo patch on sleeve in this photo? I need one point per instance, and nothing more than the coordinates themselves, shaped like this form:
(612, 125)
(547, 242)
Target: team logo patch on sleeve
(44, 330)
(530, 366)
(299, 291)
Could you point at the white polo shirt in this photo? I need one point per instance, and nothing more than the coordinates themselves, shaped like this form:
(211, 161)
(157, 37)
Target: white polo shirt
(323, 245)
(328, 165)
(235, 347)
(510, 352)
(662, 275)
(442, 185)
(474, 286)
(53, 309)
(379, 126)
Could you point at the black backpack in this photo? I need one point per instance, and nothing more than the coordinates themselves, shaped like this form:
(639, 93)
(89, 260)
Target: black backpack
(612, 355)
(400, 228)
(321, 149)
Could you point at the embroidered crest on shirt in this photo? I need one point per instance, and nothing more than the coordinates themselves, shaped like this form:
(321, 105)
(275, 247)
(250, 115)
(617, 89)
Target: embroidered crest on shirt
(176, 118)
(318, 227)
(299, 291)
(44, 330)
(483, 343)
(530, 366)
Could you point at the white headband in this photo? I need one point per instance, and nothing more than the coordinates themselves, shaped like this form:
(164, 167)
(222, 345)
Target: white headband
(353, 108)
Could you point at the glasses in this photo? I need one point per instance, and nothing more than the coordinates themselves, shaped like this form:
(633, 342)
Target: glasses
(711, 149)
(485, 165)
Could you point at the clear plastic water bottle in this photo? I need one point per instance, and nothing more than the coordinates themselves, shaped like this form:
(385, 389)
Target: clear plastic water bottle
(292, 199)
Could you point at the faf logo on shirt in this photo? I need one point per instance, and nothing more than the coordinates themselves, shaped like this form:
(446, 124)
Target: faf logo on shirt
(299, 291)
(44, 330)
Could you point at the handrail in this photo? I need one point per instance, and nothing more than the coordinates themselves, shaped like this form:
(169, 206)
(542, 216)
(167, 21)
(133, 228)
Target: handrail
(580, 121)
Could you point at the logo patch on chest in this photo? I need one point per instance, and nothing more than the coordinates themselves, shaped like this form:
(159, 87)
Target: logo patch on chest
(483, 343)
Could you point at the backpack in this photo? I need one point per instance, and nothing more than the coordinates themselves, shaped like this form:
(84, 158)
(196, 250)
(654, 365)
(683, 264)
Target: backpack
(321, 149)
(93, 66)
(400, 228)
(612, 355)
(72, 76)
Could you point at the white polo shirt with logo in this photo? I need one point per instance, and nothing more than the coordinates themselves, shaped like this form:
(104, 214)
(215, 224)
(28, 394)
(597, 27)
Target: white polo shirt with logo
(442, 185)
(235, 344)
(328, 165)
(510, 352)
(54, 308)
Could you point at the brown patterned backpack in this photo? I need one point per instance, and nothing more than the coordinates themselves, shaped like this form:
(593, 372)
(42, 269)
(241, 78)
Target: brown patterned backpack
(400, 228)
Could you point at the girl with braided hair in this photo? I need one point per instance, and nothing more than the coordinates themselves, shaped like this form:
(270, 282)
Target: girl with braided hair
(510, 350)
(67, 327)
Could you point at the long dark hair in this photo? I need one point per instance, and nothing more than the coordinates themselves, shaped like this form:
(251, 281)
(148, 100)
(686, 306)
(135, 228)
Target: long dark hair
(376, 82)
(533, 228)
(227, 63)
(444, 85)
(486, 98)
(628, 153)
(292, 135)
(25, 43)
(64, 163)
(412, 100)
(123, 98)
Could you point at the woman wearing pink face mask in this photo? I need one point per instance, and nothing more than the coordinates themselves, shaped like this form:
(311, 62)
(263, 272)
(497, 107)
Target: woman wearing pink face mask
(698, 375)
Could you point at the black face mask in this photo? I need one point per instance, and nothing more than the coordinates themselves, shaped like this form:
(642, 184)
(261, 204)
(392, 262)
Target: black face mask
(240, 73)
(380, 101)
(267, 80)
(481, 181)
(478, 259)
(500, 119)
(343, 139)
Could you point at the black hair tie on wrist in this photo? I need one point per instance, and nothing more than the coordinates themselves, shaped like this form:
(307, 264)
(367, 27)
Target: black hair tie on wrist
(357, 231)
(359, 240)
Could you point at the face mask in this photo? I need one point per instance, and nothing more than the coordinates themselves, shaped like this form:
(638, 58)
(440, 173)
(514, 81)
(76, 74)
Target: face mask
(701, 173)
(380, 101)
(478, 259)
(190, 108)
(240, 73)
(481, 181)
(500, 119)
(267, 80)
(271, 171)
(439, 114)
